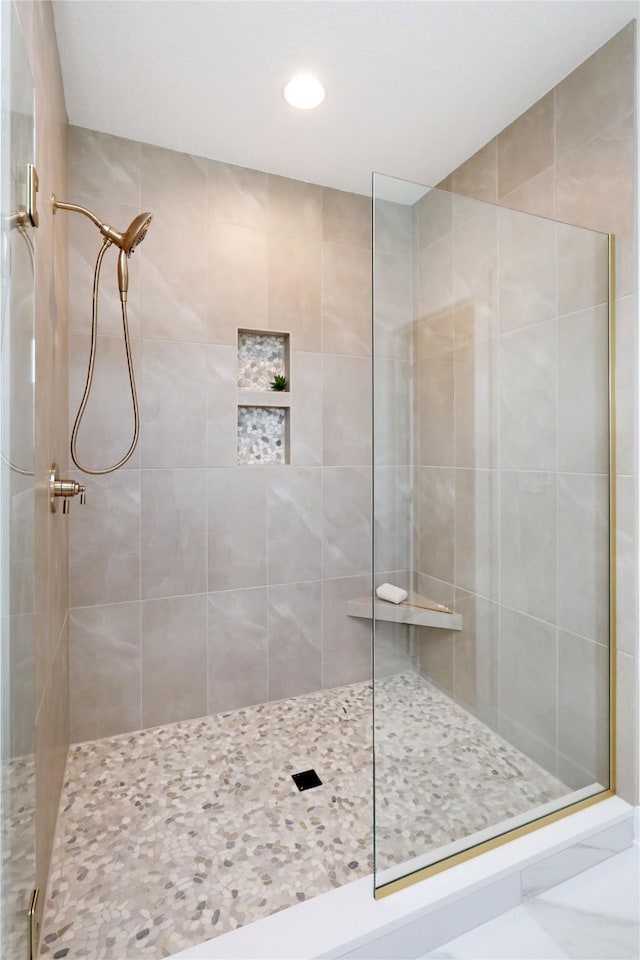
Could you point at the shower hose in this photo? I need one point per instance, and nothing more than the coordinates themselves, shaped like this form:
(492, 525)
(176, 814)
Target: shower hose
(89, 381)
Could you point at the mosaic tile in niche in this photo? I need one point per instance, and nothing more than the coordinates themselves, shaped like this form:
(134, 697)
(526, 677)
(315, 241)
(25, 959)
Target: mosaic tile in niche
(261, 357)
(262, 435)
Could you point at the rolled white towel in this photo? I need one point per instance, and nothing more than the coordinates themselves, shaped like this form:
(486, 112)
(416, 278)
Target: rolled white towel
(387, 591)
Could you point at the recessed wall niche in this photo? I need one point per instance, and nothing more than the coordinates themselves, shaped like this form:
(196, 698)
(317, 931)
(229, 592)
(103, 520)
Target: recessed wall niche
(262, 435)
(263, 413)
(261, 357)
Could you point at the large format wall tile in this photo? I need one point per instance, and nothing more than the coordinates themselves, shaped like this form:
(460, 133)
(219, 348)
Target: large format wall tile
(477, 656)
(583, 705)
(346, 411)
(393, 498)
(237, 195)
(626, 565)
(434, 300)
(346, 641)
(294, 298)
(433, 217)
(104, 559)
(306, 416)
(527, 146)
(434, 555)
(173, 404)
(476, 404)
(346, 218)
(253, 261)
(570, 156)
(436, 656)
(592, 97)
(104, 670)
(174, 533)
(475, 275)
(222, 411)
(528, 537)
(528, 398)
(536, 196)
(627, 734)
(626, 385)
(174, 254)
(434, 410)
(237, 519)
(477, 527)
(236, 253)
(583, 392)
(174, 659)
(477, 176)
(595, 182)
(583, 555)
(104, 166)
(527, 269)
(295, 639)
(394, 227)
(533, 747)
(528, 673)
(106, 430)
(237, 649)
(294, 525)
(393, 649)
(346, 300)
(393, 305)
(295, 208)
(346, 521)
(392, 427)
(583, 269)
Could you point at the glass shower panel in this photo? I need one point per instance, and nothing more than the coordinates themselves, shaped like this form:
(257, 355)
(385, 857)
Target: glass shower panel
(492, 510)
(17, 773)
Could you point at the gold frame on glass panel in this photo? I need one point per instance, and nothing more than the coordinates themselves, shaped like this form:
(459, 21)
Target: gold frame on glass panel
(402, 882)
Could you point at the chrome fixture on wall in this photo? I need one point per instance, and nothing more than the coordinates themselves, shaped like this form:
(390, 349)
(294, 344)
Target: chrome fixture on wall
(126, 241)
(65, 489)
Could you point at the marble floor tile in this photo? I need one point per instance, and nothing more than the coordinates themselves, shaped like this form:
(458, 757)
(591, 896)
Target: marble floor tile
(593, 916)
(172, 835)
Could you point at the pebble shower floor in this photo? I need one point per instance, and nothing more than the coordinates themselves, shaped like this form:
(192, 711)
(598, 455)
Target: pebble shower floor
(170, 836)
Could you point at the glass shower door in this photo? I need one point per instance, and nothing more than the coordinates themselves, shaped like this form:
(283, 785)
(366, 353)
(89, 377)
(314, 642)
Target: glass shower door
(492, 507)
(17, 786)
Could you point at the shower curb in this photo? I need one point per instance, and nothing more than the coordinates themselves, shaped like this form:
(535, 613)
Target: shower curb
(349, 923)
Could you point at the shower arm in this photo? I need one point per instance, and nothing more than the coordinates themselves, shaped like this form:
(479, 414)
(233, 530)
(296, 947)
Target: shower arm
(109, 233)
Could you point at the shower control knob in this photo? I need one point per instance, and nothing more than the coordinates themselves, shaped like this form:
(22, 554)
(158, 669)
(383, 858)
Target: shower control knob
(65, 489)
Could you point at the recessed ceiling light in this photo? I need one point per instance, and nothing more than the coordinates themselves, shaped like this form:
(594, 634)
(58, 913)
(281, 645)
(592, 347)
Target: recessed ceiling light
(304, 92)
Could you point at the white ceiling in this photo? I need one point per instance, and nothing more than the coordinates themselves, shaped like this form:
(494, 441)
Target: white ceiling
(413, 88)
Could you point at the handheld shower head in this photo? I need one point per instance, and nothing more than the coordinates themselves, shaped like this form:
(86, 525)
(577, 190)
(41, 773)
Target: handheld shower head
(135, 232)
(131, 238)
(127, 241)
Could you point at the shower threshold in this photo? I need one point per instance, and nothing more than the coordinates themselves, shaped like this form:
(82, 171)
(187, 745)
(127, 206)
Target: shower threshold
(171, 836)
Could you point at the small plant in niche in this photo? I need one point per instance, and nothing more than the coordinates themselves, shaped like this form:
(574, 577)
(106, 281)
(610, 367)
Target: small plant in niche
(279, 383)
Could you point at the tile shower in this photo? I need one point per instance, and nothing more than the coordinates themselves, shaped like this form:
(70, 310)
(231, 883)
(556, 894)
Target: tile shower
(207, 587)
(247, 566)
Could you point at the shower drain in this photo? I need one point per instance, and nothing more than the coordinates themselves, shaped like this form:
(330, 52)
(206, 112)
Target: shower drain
(306, 780)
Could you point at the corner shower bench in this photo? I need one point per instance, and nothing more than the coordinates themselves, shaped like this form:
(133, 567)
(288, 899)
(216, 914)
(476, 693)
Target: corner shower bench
(416, 610)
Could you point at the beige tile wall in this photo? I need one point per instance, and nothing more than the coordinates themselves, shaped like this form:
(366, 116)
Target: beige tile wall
(524, 326)
(197, 585)
(51, 532)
